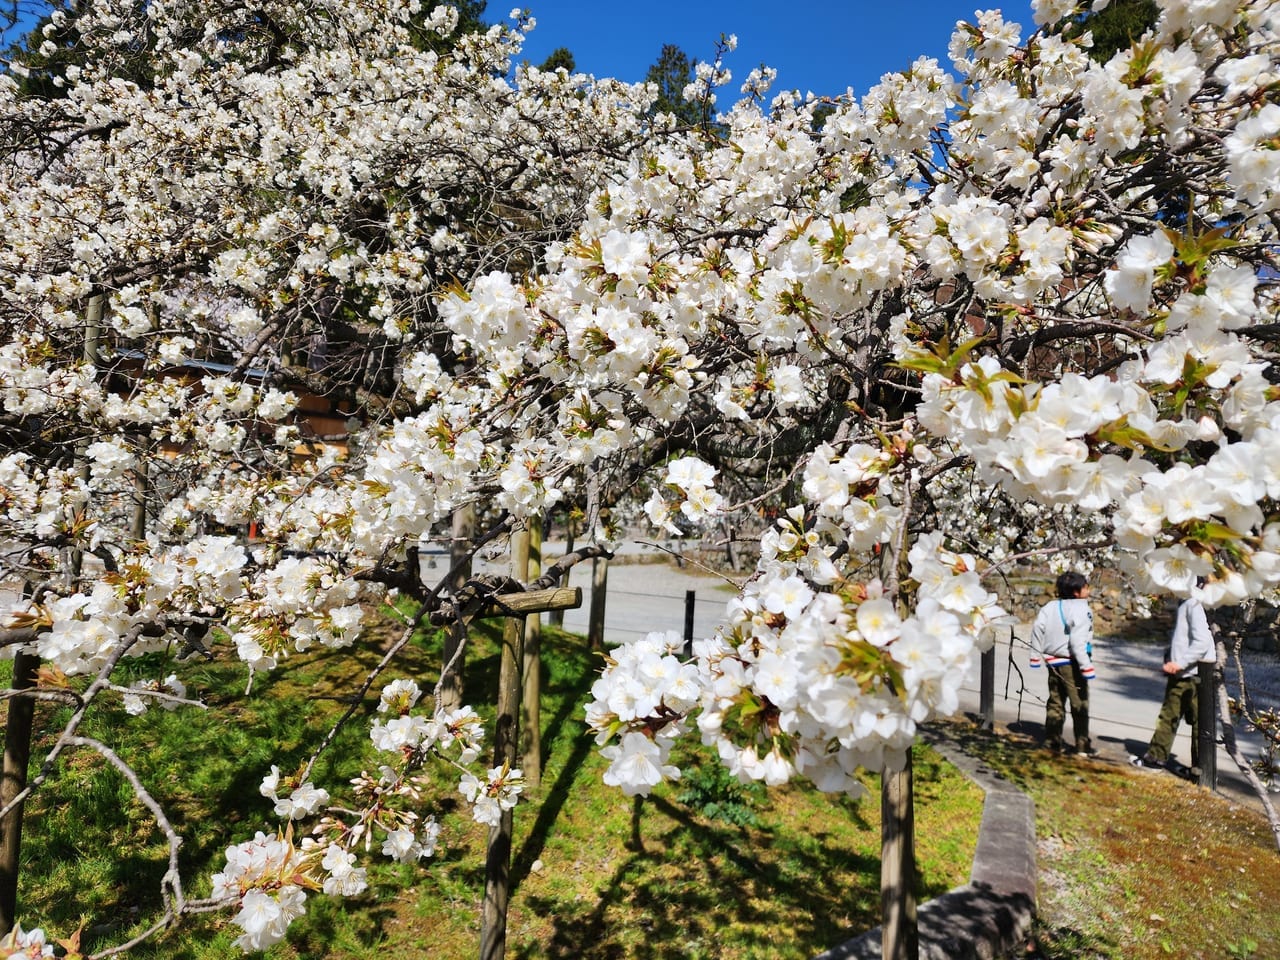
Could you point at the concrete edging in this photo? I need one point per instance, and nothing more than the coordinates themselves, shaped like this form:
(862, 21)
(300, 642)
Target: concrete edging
(990, 916)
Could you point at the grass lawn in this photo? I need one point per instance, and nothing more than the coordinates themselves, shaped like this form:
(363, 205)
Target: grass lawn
(702, 868)
(1136, 864)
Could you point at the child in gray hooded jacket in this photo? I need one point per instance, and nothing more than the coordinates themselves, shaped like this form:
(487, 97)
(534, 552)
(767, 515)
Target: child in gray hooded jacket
(1062, 640)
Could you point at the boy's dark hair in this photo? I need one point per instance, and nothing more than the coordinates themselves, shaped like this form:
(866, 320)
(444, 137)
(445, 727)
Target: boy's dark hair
(1070, 584)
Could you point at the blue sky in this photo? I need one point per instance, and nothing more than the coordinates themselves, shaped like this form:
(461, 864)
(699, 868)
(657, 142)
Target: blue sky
(819, 45)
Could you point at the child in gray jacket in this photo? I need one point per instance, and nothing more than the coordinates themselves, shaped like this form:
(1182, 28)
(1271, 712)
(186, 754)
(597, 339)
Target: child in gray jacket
(1062, 639)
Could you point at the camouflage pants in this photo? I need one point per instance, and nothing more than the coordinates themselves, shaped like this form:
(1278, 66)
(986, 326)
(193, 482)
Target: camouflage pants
(1067, 685)
(1181, 700)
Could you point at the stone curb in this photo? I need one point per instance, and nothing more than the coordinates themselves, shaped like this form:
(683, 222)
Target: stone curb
(991, 915)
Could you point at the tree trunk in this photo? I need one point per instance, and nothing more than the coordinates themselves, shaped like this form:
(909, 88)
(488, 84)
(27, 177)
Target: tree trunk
(138, 509)
(17, 755)
(599, 586)
(900, 935)
(90, 352)
(556, 617)
(497, 880)
(1233, 749)
(731, 548)
(17, 734)
(455, 656)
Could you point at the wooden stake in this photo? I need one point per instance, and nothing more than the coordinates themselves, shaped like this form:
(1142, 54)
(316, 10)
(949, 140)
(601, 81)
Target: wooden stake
(531, 712)
(599, 586)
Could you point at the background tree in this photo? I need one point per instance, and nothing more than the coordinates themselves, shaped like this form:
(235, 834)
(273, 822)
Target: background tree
(559, 58)
(671, 73)
(1115, 27)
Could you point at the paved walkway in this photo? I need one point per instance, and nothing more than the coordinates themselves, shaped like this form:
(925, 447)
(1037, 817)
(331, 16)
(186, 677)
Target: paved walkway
(644, 592)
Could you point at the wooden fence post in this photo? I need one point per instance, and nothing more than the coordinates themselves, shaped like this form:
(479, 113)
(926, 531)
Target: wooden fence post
(1207, 723)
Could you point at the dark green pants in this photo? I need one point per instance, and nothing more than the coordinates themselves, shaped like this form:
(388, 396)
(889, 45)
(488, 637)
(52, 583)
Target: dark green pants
(1181, 702)
(1067, 685)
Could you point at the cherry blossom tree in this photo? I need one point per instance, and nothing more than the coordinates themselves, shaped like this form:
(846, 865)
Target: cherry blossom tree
(967, 285)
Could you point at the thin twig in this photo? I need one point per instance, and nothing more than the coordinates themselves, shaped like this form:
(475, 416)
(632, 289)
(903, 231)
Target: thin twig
(692, 561)
(171, 883)
(69, 731)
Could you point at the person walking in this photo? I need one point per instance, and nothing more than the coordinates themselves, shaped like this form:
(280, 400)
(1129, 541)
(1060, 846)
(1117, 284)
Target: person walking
(1062, 640)
(1190, 642)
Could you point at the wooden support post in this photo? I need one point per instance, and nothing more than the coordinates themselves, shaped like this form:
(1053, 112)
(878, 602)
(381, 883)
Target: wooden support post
(599, 586)
(497, 890)
(900, 936)
(514, 607)
(17, 755)
(451, 683)
(497, 879)
(530, 712)
(1207, 723)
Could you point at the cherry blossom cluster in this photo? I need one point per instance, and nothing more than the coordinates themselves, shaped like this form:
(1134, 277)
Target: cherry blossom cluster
(135, 701)
(815, 682)
(642, 698)
(268, 878)
(690, 485)
(19, 944)
(298, 601)
(1080, 441)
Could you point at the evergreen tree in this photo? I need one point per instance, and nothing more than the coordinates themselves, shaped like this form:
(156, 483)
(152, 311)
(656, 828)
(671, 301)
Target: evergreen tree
(672, 72)
(1116, 26)
(560, 57)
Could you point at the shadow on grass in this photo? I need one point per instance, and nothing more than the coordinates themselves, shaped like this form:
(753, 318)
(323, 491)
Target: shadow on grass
(569, 687)
(1015, 757)
(692, 879)
(684, 880)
